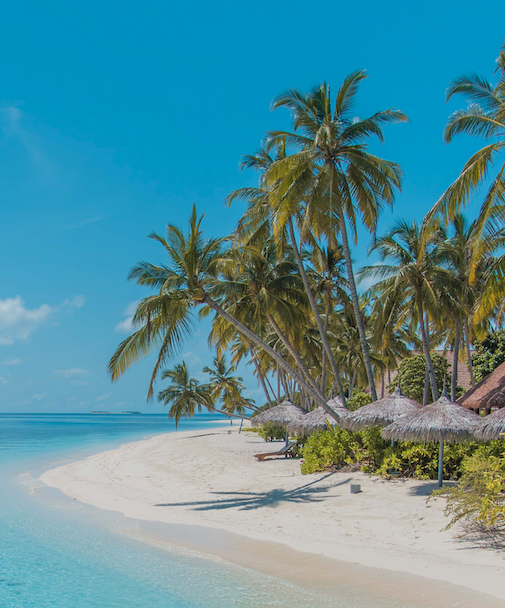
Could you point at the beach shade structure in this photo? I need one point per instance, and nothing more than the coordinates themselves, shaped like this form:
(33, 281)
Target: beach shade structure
(381, 412)
(319, 419)
(492, 426)
(439, 422)
(281, 415)
(487, 394)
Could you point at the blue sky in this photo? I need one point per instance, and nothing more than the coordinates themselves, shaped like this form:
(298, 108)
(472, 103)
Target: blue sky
(116, 116)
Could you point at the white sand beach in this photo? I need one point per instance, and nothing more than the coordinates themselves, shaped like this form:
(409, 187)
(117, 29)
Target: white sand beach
(210, 478)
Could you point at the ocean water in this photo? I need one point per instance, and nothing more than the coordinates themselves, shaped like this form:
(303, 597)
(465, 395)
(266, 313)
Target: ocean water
(59, 553)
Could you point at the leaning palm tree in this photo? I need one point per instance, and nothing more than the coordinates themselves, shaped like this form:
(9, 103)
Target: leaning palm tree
(483, 117)
(166, 318)
(334, 175)
(184, 395)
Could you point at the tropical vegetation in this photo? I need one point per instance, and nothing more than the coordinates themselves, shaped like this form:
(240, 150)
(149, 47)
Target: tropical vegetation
(282, 292)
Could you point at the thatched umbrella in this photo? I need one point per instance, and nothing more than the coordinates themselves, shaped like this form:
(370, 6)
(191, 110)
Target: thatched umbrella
(381, 412)
(492, 426)
(488, 393)
(319, 418)
(438, 422)
(280, 415)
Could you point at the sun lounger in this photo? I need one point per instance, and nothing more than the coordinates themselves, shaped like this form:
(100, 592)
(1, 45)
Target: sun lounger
(286, 451)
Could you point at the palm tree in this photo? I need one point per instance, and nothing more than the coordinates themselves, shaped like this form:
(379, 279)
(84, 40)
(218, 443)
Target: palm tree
(184, 395)
(257, 221)
(167, 318)
(227, 388)
(335, 176)
(416, 271)
(483, 117)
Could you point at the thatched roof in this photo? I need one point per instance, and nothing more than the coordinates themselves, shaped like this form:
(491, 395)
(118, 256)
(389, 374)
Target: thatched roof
(318, 419)
(488, 393)
(281, 414)
(381, 412)
(492, 426)
(443, 420)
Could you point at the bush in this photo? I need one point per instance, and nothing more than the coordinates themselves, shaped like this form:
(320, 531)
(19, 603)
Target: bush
(358, 399)
(332, 449)
(328, 449)
(490, 354)
(479, 498)
(413, 374)
(269, 432)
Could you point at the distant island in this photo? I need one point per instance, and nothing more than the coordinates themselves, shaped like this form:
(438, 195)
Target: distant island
(117, 413)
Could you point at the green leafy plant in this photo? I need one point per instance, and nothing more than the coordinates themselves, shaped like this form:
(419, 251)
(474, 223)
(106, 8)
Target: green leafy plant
(357, 399)
(478, 500)
(269, 432)
(329, 449)
(490, 354)
(413, 374)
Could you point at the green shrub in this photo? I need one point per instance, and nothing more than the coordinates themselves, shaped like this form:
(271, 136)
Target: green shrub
(329, 449)
(269, 432)
(358, 399)
(490, 354)
(479, 498)
(413, 373)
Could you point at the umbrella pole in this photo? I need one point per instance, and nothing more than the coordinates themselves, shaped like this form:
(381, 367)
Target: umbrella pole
(440, 463)
(287, 437)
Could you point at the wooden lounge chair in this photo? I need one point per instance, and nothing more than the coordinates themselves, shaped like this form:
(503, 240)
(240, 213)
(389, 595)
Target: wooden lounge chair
(286, 451)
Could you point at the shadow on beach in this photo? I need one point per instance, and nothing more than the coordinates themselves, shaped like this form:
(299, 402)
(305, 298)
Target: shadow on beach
(255, 500)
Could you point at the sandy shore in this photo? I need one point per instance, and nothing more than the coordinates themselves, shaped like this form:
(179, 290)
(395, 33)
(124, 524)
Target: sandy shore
(210, 478)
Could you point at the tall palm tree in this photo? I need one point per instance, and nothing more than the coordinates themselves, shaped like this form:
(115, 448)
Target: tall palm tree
(334, 174)
(415, 270)
(483, 117)
(257, 221)
(184, 395)
(167, 318)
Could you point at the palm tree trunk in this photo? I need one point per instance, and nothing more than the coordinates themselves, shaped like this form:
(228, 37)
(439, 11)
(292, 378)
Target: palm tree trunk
(324, 378)
(299, 362)
(455, 362)
(426, 347)
(426, 386)
(353, 381)
(313, 305)
(383, 382)
(260, 375)
(278, 384)
(269, 350)
(468, 353)
(355, 305)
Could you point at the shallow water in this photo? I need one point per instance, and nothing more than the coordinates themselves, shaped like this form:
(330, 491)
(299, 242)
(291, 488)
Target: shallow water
(59, 553)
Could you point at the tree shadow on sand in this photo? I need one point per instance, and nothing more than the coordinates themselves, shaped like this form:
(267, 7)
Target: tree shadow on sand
(255, 500)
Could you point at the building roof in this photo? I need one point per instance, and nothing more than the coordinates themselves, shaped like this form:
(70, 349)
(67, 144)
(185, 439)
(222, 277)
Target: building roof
(488, 393)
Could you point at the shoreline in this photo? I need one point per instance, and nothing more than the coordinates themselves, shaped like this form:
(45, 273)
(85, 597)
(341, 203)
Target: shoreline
(208, 480)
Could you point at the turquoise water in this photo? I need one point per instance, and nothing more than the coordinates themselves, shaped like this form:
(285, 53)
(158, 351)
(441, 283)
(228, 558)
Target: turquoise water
(58, 553)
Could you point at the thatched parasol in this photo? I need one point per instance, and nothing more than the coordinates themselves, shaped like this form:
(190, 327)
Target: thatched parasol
(281, 414)
(381, 412)
(488, 393)
(492, 426)
(318, 419)
(438, 422)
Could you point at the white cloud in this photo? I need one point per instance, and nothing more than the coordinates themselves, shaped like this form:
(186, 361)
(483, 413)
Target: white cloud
(3, 380)
(103, 397)
(69, 373)
(126, 326)
(39, 397)
(12, 361)
(17, 322)
(191, 358)
(80, 383)
(75, 303)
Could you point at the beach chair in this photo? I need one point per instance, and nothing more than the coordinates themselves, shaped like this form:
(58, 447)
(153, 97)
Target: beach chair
(286, 451)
